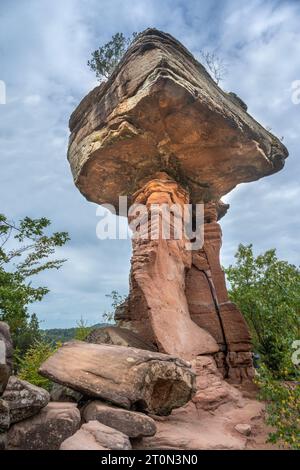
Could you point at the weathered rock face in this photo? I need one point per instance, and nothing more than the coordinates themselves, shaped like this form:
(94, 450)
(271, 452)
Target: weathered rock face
(131, 378)
(161, 110)
(212, 390)
(131, 423)
(209, 305)
(96, 436)
(46, 430)
(119, 337)
(24, 399)
(6, 351)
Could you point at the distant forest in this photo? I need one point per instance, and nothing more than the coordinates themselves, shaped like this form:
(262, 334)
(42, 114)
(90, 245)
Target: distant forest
(62, 335)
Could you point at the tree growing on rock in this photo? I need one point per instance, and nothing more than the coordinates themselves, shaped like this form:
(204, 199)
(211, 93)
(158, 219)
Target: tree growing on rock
(105, 59)
(214, 64)
(25, 251)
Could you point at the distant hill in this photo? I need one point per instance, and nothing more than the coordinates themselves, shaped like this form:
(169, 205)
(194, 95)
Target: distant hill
(65, 334)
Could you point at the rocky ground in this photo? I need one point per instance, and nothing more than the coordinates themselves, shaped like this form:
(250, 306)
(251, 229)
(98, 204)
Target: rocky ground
(110, 396)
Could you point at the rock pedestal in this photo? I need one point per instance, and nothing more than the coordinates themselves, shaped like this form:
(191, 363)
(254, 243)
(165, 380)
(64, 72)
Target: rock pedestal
(160, 131)
(158, 308)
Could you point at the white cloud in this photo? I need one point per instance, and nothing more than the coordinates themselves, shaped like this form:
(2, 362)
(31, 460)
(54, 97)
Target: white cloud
(32, 100)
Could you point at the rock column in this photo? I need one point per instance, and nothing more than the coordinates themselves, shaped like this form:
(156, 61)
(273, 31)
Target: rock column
(157, 306)
(210, 307)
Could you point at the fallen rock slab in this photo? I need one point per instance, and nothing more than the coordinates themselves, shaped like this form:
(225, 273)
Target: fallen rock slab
(131, 423)
(24, 399)
(46, 430)
(6, 352)
(131, 378)
(96, 436)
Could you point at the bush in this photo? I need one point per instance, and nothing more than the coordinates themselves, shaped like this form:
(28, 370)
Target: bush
(283, 408)
(29, 364)
(82, 330)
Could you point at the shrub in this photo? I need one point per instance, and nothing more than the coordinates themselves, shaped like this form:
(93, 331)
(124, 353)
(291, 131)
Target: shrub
(283, 408)
(29, 364)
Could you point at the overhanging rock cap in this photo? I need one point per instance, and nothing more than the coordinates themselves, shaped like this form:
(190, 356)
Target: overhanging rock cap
(161, 111)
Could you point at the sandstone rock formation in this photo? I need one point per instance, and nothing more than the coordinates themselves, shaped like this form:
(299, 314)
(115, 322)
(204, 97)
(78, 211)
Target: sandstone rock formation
(131, 378)
(46, 430)
(96, 436)
(24, 399)
(5, 355)
(131, 423)
(162, 132)
(212, 390)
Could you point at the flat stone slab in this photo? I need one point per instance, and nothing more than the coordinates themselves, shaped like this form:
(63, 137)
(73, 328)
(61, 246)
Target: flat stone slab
(131, 423)
(96, 436)
(128, 377)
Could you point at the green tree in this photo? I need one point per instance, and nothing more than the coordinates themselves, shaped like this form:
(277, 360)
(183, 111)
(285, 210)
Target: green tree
(30, 362)
(105, 59)
(267, 291)
(25, 251)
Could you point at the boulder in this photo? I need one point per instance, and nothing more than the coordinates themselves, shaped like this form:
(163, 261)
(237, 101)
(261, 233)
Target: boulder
(118, 336)
(65, 394)
(131, 423)
(96, 436)
(131, 378)
(6, 352)
(24, 399)
(46, 430)
(4, 415)
(244, 429)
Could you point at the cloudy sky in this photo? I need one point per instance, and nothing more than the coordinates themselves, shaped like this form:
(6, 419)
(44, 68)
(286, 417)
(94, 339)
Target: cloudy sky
(44, 47)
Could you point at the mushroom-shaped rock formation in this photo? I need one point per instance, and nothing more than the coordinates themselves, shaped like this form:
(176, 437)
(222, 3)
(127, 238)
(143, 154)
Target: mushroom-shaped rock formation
(160, 131)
